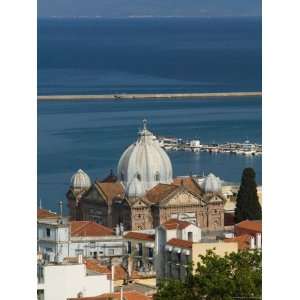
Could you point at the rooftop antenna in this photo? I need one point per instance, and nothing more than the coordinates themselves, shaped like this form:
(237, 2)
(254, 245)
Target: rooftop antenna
(61, 208)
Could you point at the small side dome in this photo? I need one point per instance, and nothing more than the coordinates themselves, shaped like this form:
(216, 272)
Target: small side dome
(80, 180)
(135, 188)
(212, 184)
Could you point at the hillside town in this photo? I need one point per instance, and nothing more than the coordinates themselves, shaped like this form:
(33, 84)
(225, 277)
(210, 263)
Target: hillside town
(125, 234)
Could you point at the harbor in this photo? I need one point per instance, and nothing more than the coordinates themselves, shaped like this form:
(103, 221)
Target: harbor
(177, 144)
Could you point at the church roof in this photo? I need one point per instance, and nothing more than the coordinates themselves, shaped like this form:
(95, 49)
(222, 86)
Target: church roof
(189, 183)
(160, 192)
(110, 178)
(87, 228)
(180, 243)
(111, 190)
(175, 224)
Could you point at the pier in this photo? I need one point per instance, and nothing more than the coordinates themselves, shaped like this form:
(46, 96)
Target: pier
(123, 96)
(175, 144)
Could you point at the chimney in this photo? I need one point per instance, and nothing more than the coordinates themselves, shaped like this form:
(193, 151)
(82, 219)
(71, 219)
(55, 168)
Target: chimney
(80, 259)
(130, 266)
(252, 242)
(117, 229)
(121, 294)
(121, 228)
(258, 240)
(112, 279)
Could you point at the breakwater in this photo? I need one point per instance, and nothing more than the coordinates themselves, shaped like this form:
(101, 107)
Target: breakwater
(148, 96)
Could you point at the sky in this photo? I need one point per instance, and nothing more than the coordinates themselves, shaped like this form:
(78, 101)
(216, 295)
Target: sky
(156, 8)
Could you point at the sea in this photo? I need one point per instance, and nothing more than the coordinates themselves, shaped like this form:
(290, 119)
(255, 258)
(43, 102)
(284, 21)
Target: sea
(144, 55)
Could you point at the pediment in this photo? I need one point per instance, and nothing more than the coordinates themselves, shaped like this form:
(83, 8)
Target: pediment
(180, 198)
(93, 195)
(215, 199)
(139, 203)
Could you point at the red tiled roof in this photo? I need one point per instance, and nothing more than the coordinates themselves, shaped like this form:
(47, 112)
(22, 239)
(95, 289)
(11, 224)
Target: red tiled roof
(120, 273)
(46, 214)
(139, 236)
(95, 266)
(87, 228)
(180, 243)
(111, 190)
(253, 226)
(110, 178)
(189, 183)
(127, 295)
(242, 240)
(160, 192)
(175, 223)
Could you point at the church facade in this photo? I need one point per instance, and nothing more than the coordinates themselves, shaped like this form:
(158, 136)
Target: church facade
(144, 193)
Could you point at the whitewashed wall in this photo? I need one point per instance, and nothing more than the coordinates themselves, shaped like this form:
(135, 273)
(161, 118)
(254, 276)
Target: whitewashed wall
(66, 281)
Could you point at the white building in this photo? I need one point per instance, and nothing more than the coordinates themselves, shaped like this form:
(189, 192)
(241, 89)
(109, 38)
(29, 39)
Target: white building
(60, 281)
(69, 239)
(171, 230)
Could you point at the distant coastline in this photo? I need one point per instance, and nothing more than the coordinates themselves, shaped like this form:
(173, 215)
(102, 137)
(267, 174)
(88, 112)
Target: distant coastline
(147, 96)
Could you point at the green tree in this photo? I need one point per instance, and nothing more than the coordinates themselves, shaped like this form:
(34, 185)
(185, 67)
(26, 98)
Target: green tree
(247, 204)
(236, 275)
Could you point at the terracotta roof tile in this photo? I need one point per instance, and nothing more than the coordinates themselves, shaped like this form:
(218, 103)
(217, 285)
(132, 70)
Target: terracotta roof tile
(180, 243)
(110, 178)
(111, 190)
(120, 273)
(139, 236)
(251, 226)
(95, 266)
(46, 214)
(127, 295)
(189, 183)
(87, 228)
(242, 240)
(175, 223)
(160, 192)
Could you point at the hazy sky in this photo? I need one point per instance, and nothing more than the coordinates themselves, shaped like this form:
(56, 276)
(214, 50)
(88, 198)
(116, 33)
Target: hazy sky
(124, 8)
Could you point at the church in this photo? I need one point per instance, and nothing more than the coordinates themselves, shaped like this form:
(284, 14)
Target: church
(143, 194)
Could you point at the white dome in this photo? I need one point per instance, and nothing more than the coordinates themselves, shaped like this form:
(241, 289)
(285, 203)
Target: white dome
(144, 164)
(212, 184)
(80, 180)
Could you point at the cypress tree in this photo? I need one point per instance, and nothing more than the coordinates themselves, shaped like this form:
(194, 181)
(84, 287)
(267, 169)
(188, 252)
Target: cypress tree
(247, 204)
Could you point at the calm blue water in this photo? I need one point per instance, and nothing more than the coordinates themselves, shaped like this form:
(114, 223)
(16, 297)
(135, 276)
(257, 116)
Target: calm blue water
(92, 135)
(89, 56)
(144, 55)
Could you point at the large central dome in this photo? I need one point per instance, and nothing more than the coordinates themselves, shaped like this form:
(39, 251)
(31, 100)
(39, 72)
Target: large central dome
(144, 164)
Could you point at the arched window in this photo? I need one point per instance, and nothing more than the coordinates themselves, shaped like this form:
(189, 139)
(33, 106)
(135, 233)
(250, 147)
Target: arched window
(156, 176)
(138, 176)
(122, 176)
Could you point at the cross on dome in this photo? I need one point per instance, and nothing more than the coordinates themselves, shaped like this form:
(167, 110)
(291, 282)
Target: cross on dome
(145, 124)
